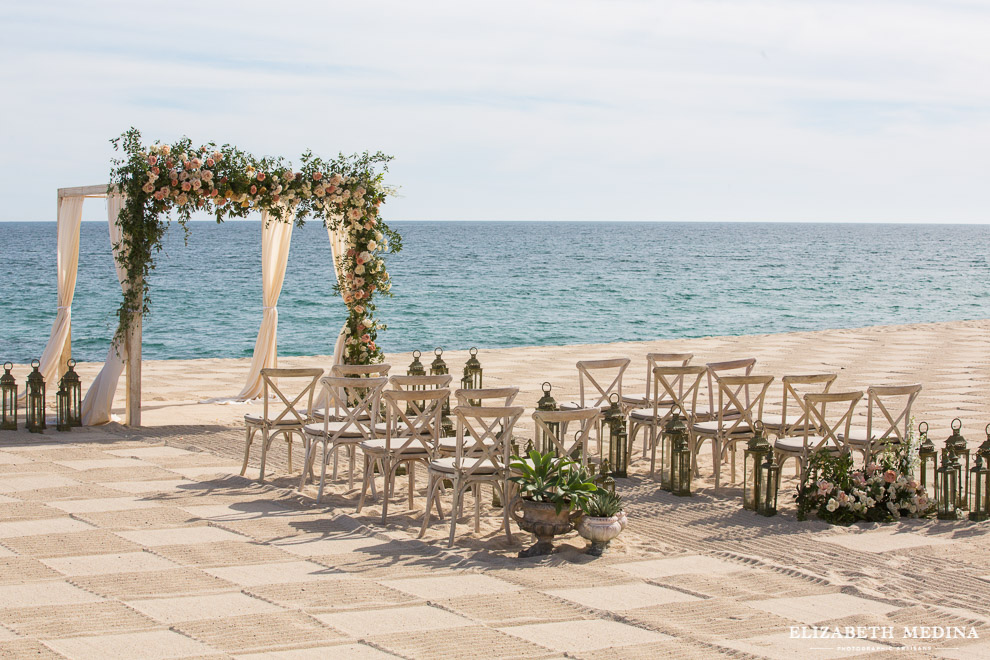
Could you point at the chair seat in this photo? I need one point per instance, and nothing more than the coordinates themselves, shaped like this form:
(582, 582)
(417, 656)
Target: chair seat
(258, 419)
(795, 444)
(646, 414)
(377, 446)
(319, 413)
(449, 445)
(711, 428)
(858, 437)
(334, 427)
(475, 465)
(574, 405)
(775, 422)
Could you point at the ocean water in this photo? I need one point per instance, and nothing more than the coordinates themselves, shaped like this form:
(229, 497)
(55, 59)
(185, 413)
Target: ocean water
(502, 284)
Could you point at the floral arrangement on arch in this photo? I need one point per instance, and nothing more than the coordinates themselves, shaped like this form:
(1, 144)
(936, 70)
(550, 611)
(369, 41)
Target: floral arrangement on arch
(882, 491)
(162, 180)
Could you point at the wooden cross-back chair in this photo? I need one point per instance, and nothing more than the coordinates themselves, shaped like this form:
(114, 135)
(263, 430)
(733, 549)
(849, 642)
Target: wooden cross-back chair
(654, 360)
(883, 426)
(486, 396)
(794, 417)
(740, 406)
(715, 369)
(551, 424)
(591, 391)
(412, 431)
(661, 399)
(286, 418)
(824, 431)
(353, 371)
(680, 386)
(352, 417)
(481, 457)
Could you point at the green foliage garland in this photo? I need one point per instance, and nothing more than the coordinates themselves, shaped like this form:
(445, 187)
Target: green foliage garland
(345, 193)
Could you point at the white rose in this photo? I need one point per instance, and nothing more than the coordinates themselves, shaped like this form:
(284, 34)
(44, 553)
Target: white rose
(359, 270)
(379, 236)
(372, 245)
(832, 505)
(367, 323)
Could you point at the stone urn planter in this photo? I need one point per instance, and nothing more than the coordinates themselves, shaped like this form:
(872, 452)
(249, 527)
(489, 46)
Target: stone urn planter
(543, 521)
(600, 531)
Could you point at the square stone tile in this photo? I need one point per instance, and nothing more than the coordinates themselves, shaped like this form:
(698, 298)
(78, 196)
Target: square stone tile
(44, 593)
(253, 575)
(103, 504)
(316, 546)
(126, 562)
(196, 608)
(180, 536)
(152, 645)
(883, 540)
(619, 597)
(152, 486)
(781, 646)
(348, 651)
(511, 609)
(692, 564)
(578, 636)
(346, 593)
(223, 553)
(44, 526)
(451, 586)
(363, 623)
(200, 471)
(150, 452)
(90, 542)
(35, 482)
(99, 463)
(257, 632)
(183, 581)
(250, 510)
(814, 609)
(56, 621)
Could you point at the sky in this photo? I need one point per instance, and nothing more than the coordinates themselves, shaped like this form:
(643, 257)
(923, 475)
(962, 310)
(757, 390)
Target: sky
(682, 110)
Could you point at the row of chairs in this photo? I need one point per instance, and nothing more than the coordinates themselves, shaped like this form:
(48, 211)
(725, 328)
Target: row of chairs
(402, 427)
(735, 400)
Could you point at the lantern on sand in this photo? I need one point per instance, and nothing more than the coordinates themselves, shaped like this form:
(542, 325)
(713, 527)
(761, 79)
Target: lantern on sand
(618, 437)
(753, 457)
(927, 459)
(8, 399)
(769, 480)
(35, 400)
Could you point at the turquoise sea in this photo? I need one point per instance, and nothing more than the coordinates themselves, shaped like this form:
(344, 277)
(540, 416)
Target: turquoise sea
(499, 284)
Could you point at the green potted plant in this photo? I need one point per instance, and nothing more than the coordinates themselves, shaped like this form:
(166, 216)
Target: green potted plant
(551, 491)
(602, 521)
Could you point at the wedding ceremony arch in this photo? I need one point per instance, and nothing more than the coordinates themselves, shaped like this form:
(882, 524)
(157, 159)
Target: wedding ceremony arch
(148, 185)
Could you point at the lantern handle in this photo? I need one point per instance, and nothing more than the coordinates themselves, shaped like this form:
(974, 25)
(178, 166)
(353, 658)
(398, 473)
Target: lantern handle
(10, 365)
(473, 351)
(546, 387)
(35, 363)
(988, 430)
(438, 351)
(70, 363)
(758, 426)
(417, 355)
(674, 415)
(923, 428)
(615, 400)
(956, 424)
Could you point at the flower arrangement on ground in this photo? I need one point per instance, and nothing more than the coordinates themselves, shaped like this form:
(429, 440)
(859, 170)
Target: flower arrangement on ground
(345, 193)
(883, 491)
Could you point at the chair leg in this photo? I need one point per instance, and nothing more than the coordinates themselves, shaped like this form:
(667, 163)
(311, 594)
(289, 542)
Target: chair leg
(264, 454)
(368, 476)
(505, 512)
(352, 451)
(477, 508)
(288, 441)
(247, 448)
(323, 472)
(388, 486)
(411, 470)
(653, 452)
(716, 460)
(455, 509)
(431, 496)
(307, 466)
(732, 467)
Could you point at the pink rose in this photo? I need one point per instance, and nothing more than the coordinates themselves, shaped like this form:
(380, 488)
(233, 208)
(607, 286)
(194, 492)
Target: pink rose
(372, 346)
(210, 162)
(824, 487)
(351, 252)
(872, 468)
(155, 171)
(186, 186)
(152, 160)
(196, 162)
(359, 309)
(275, 198)
(148, 188)
(890, 476)
(261, 176)
(317, 176)
(254, 190)
(366, 338)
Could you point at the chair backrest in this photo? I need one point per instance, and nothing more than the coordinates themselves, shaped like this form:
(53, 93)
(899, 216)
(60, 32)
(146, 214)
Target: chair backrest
(679, 385)
(288, 410)
(483, 432)
(603, 369)
(830, 428)
(795, 387)
(654, 360)
(550, 423)
(734, 414)
(413, 419)
(361, 370)
(354, 404)
(881, 423)
(420, 382)
(504, 394)
(716, 369)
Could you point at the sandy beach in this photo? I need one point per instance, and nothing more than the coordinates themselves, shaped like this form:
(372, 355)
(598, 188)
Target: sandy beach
(116, 538)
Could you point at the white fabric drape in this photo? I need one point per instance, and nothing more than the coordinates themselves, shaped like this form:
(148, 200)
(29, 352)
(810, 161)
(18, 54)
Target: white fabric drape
(338, 246)
(275, 238)
(69, 221)
(99, 397)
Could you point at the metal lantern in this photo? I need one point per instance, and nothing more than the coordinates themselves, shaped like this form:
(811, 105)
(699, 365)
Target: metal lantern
(947, 486)
(979, 491)
(618, 438)
(8, 399)
(439, 368)
(604, 480)
(680, 458)
(416, 367)
(73, 389)
(62, 422)
(984, 449)
(756, 451)
(767, 483)
(35, 400)
(958, 446)
(547, 403)
(670, 429)
(928, 458)
(472, 374)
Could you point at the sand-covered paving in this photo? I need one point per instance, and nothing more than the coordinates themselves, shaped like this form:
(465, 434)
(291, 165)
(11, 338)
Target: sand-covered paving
(118, 542)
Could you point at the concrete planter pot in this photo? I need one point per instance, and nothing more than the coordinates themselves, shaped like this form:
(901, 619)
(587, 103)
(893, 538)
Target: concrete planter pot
(600, 531)
(543, 521)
